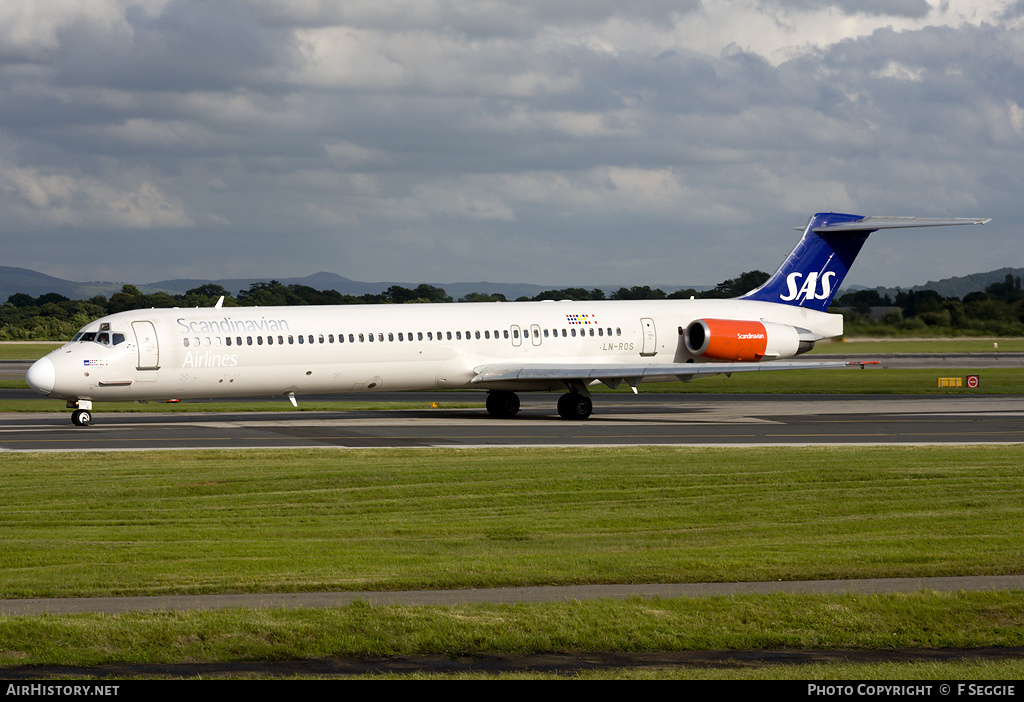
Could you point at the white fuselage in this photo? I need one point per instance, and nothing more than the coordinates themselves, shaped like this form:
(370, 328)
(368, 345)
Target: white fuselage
(259, 351)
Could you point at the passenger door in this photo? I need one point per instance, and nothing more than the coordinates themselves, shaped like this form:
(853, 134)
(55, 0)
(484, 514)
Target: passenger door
(149, 348)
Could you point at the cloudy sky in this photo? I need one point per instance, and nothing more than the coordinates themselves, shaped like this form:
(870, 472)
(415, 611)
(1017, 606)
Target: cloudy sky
(557, 142)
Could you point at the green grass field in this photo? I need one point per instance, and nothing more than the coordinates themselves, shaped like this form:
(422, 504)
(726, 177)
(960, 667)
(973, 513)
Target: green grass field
(208, 522)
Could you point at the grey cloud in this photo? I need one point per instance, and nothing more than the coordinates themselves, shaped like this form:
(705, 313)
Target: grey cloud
(238, 157)
(885, 8)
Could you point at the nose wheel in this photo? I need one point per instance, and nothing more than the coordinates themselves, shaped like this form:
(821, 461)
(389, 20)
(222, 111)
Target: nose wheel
(81, 418)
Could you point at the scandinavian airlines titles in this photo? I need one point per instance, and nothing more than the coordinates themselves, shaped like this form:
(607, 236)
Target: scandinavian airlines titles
(229, 325)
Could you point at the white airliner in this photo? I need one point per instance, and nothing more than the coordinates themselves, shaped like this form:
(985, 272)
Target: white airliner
(501, 347)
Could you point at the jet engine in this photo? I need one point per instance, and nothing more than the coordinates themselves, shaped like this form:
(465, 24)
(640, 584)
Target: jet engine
(746, 340)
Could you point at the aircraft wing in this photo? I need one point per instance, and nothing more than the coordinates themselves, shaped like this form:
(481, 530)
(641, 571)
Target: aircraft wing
(613, 374)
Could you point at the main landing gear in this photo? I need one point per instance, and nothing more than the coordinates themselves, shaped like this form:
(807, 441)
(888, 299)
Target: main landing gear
(573, 405)
(502, 404)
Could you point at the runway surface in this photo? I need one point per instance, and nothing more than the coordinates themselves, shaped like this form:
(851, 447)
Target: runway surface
(618, 420)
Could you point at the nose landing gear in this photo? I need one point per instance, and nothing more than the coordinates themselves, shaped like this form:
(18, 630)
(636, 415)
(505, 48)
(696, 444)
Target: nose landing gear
(81, 418)
(82, 415)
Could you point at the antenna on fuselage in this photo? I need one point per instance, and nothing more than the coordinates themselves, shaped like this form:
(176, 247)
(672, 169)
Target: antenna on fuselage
(220, 302)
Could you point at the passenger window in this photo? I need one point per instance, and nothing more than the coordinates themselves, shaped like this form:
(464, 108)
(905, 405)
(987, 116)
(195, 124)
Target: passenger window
(270, 341)
(301, 339)
(186, 342)
(419, 336)
(449, 334)
(458, 335)
(352, 338)
(391, 336)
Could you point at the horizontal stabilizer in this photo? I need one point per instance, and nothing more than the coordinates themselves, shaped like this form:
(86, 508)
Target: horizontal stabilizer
(876, 223)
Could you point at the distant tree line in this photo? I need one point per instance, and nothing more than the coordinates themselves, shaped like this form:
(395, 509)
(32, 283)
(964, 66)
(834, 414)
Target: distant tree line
(999, 310)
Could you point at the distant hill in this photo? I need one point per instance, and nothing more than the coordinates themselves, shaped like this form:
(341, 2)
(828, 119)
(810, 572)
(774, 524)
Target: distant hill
(958, 286)
(22, 280)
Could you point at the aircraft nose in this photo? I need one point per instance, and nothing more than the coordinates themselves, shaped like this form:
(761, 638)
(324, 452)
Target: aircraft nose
(41, 376)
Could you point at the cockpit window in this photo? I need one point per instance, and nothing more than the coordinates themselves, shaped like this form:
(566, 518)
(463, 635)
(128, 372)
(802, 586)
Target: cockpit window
(103, 337)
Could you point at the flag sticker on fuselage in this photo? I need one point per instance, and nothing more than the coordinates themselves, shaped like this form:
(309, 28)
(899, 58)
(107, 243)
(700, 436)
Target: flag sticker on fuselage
(95, 362)
(581, 319)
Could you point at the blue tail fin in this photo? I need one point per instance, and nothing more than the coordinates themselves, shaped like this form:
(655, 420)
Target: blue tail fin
(813, 272)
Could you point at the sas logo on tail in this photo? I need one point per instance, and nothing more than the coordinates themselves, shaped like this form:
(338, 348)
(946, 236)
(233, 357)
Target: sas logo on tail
(809, 289)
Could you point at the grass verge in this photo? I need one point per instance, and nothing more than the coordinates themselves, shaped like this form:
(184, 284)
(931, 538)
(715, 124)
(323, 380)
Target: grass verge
(920, 620)
(220, 521)
(190, 522)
